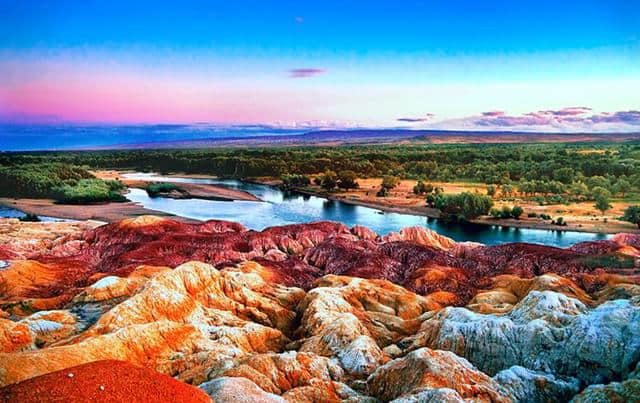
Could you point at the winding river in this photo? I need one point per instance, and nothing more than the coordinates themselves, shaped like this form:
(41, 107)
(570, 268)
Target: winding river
(280, 208)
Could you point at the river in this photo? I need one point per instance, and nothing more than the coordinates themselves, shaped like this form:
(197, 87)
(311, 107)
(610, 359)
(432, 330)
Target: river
(281, 208)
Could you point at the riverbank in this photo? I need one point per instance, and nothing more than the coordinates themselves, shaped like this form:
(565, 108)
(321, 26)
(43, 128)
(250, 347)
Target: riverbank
(410, 205)
(105, 212)
(187, 190)
(399, 202)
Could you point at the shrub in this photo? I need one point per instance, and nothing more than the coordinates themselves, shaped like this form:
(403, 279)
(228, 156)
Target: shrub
(559, 221)
(389, 182)
(422, 188)
(328, 180)
(87, 191)
(463, 205)
(632, 215)
(516, 212)
(155, 189)
(29, 218)
(63, 182)
(491, 190)
(347, 180)
(431, 200)
(294, 180)
(602, 202)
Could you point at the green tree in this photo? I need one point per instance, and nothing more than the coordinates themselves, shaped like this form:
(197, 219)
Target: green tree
(622, 187)
(290, 181)
(329, 180)
(465, 205)
(347, 180)
(422, 188)
(564, 175)
(599, 191)
(632, 215)
(507, 190)
(491, 190)
(417, 189)
(516, 212)
(389, 182)
(431, 200)
(597, 181)
(602, 203)
(579, 189)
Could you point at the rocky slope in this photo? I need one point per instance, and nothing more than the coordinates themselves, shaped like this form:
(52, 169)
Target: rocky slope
(317, 312)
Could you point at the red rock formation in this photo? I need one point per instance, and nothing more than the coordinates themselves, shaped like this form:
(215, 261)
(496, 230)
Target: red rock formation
(314, 312)
(293, 255)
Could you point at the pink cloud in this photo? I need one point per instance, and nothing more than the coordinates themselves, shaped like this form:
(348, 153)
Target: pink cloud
(570, 111)
(571, 117)
(493, 113)
(628, 117)
(427, 117)
(305, 72)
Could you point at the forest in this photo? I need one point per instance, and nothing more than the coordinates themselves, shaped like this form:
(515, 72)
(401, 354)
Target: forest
(549, 173)
(69, 184)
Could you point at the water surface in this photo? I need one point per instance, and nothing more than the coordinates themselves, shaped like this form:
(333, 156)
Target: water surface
(9, 212)
(280, 208)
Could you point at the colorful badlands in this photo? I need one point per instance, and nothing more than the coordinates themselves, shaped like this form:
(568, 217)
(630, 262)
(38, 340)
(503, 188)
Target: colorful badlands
(311, 312)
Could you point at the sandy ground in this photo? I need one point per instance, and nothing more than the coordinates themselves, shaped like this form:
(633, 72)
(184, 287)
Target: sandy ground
(110, 212)
(106, 212)
(579, 217)
(191, 190)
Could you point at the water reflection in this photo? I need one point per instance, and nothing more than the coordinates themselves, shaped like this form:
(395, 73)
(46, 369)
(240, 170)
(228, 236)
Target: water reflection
(282, 208)
(8, 212)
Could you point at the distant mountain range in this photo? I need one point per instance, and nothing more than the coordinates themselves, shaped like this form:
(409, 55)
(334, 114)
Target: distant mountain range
(382, 136)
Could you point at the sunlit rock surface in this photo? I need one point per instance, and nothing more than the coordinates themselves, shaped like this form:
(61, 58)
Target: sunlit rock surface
(321, 312)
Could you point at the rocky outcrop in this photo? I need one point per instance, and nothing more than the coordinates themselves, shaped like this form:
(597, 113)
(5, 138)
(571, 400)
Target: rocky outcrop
(424, 371)
(288, 376)
(627, 391)
(507, 290)
(15, 336)
(293, 255)
(321, 312)
(18, 239)
(425, 237)
(178, 321)
(237, 390)
(626, 244)
(354, 319)
(546, 331)
(524, 385)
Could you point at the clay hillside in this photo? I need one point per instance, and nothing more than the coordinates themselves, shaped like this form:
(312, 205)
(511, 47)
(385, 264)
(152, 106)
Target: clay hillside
(311, 313)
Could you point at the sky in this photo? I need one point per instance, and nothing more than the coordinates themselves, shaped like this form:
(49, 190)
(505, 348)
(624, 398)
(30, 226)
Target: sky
(492, 65)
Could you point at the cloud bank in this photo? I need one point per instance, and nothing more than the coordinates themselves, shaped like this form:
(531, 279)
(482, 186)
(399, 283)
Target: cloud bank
(569, 119)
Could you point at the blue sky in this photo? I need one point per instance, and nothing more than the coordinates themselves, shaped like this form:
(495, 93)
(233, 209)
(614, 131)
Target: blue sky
(346, 63)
